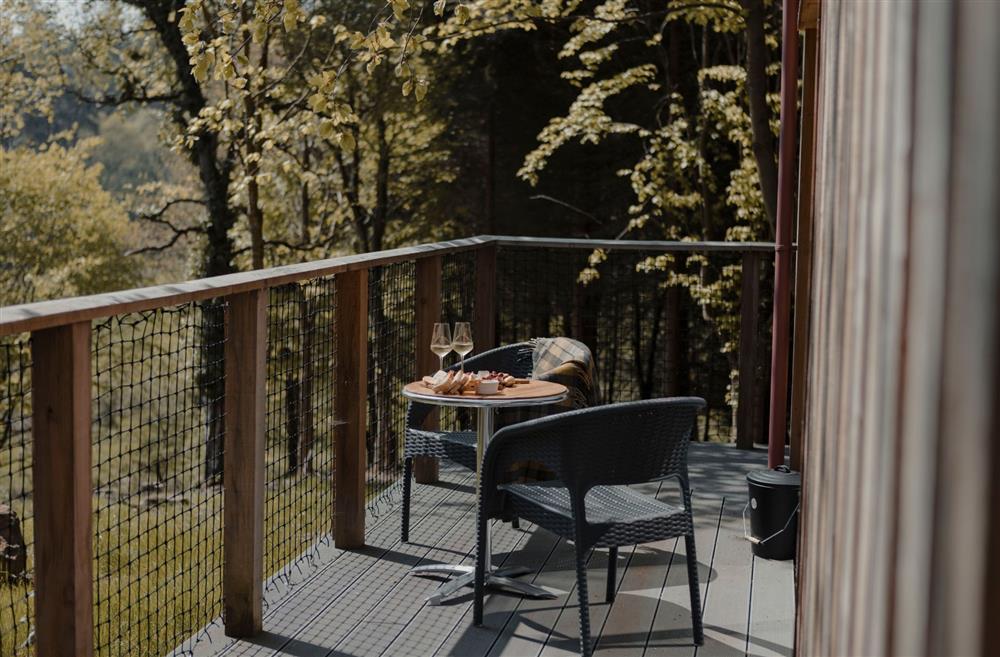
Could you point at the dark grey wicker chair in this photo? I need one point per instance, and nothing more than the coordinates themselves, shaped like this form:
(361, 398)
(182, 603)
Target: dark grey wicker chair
(456, 446)
(594, 454)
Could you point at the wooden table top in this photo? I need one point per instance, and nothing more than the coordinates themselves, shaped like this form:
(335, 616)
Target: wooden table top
(527, 392)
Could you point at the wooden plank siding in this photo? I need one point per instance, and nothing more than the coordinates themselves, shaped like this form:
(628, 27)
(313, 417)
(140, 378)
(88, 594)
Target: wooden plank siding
(899, 456)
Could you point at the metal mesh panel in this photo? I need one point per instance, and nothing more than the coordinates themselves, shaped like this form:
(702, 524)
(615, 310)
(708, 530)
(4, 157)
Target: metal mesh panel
(458, 293)
(300, 424)
(649, 338)
(391, 333)
(157, 449)
(458, 287)
(16, 514)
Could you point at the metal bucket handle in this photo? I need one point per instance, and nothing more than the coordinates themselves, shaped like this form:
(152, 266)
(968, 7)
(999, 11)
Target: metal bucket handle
(761, 541)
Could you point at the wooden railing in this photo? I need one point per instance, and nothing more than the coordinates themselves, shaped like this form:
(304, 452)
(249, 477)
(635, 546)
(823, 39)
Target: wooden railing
(61, 400)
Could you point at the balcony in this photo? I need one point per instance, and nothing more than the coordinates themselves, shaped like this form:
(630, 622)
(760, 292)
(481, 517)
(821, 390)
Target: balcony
(363, 602)
(223, 457)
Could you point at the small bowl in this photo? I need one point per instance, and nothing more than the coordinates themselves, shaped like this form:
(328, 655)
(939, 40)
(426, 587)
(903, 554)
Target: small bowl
(490, 387)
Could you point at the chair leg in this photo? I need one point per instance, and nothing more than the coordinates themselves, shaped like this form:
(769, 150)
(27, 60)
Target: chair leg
(692, 563)
(407, 477)
(581, 592)
(515, 523)
(609, 596)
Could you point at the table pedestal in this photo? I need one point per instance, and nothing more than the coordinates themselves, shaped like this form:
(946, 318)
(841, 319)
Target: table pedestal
(500, 578)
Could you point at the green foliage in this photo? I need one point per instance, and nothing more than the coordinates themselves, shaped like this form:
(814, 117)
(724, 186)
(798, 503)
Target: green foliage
(30, 81)
(694, 175)
(61, 233)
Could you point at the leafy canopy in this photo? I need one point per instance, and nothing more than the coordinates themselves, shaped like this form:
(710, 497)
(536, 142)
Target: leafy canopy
(61, 233)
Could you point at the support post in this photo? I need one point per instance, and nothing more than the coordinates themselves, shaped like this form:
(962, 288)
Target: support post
(485, 320)
(777, 422)
(746, 427)
(803, 252)
(243, 471)
(428, 311)
(61, 399)
(349, 404)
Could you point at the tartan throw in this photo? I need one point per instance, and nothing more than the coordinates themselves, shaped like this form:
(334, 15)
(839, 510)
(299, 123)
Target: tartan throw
(560, 360)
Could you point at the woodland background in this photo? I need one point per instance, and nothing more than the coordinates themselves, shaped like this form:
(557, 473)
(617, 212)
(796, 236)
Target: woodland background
(152, 141)
(146, 141)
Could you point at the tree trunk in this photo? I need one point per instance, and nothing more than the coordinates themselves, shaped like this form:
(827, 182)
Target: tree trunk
(384, 387)
(760, 115)
(214, 171)
(307, 433)
(306, 214)
(255, 215)
(293, 411)
(675, 369)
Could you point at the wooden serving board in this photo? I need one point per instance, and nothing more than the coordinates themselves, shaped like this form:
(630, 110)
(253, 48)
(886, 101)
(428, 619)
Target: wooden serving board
(530, 390)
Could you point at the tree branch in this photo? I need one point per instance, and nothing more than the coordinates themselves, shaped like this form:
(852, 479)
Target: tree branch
(158, 219)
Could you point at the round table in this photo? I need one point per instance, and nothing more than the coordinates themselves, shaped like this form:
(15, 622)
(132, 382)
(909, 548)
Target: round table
(533, 393)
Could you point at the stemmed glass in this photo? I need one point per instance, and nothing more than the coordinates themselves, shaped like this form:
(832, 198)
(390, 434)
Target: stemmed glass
(441, 342)
(462, 341)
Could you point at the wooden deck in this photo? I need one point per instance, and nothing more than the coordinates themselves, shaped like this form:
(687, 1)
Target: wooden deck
(363, 603)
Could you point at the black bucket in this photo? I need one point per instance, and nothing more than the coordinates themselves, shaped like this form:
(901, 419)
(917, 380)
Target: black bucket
(774, 512)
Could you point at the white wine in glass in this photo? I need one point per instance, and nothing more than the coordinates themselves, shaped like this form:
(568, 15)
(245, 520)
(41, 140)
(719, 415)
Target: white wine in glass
(441, 342)
(462, 341)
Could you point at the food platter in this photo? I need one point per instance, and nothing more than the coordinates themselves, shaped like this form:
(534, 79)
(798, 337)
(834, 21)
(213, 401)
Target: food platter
(532, 391)
(484, 382)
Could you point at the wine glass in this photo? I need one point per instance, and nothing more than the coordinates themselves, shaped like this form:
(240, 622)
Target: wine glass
(462, 341)
(441, 342)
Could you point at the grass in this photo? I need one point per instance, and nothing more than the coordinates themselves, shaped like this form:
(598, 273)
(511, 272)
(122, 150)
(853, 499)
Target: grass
(158, 570)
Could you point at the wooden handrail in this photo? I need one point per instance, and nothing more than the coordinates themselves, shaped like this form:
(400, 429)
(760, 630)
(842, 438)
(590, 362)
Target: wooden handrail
(47, 314)
(634, 245)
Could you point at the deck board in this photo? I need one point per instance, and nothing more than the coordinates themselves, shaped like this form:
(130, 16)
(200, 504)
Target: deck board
(465, 639)
(670, 634)
(526, 631)
(427, 632)
(363, 603)
(772, 609)
(285, 616)
(727, 596)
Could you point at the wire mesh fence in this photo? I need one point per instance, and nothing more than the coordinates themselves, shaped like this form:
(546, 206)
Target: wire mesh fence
(391, 331)
(16, 512)
(299, 461)
(157, 464)
(659, 325)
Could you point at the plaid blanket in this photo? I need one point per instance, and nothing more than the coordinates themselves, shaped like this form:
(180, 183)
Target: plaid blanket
(560, 360)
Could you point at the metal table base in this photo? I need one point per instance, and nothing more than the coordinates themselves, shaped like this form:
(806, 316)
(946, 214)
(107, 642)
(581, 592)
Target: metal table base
(499, 578)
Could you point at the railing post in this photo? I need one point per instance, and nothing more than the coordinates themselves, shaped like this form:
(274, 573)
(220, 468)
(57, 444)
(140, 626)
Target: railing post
(746, 427)
(243, 473)
(349, 405)
(61, 399)
(428, 311)
(485, 313)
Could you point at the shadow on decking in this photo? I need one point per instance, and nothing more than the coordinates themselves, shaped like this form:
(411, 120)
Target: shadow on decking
(363, 603)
